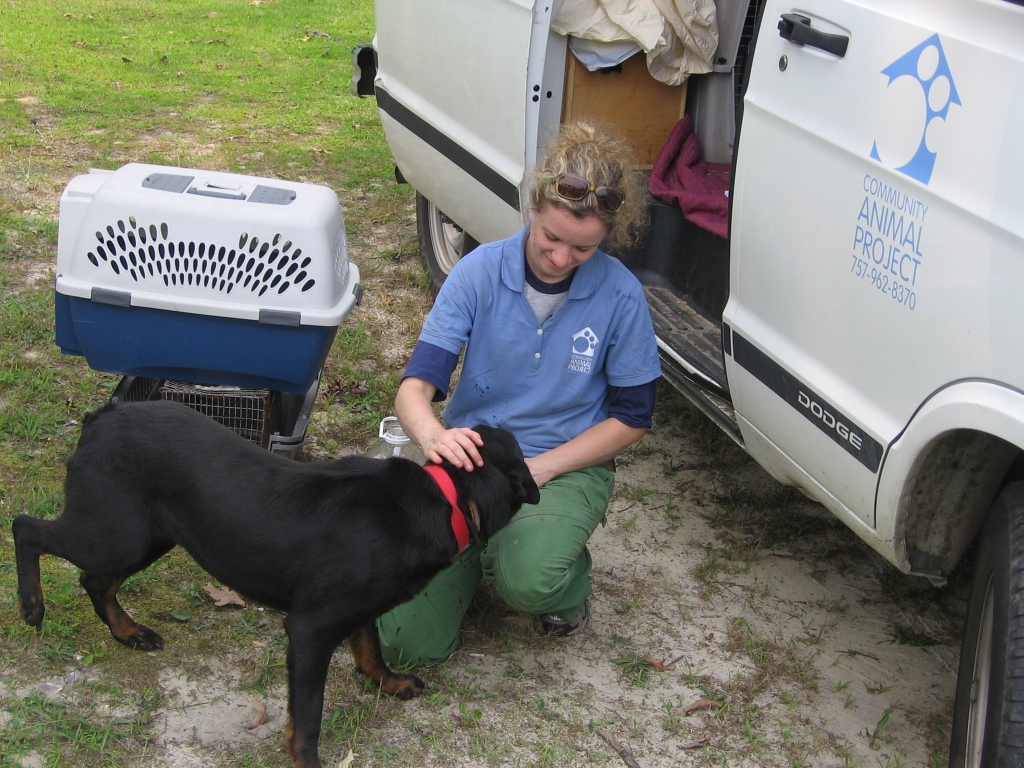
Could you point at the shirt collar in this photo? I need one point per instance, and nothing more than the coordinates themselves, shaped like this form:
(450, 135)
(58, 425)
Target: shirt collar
(513, 267)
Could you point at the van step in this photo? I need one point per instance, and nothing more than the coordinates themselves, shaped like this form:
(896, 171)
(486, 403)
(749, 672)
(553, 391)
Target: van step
(694, 342)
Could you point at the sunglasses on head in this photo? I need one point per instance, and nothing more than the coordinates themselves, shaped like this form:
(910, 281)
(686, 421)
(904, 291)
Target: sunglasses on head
(571, 187)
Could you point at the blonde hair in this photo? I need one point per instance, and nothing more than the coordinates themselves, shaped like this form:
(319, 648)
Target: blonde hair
(603, 160)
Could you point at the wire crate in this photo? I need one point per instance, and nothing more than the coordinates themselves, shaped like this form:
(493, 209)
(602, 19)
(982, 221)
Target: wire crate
(271, 419)
(252, 413)
(137, 389)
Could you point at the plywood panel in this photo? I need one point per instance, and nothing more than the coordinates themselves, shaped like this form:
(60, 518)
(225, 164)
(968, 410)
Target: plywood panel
(631, 103)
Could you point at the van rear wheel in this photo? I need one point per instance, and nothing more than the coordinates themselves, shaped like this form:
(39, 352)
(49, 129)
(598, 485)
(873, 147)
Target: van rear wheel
(988, 716)
(442, 241)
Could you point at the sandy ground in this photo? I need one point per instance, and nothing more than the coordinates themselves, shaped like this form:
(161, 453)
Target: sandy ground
(733, 623)
(791, 645)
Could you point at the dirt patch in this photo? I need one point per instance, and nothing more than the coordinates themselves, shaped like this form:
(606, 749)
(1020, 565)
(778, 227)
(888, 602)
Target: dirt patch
(704, 647)
(733, 622)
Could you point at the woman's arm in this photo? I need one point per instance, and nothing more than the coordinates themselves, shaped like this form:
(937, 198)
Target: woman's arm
(415, 414)
(595, 446)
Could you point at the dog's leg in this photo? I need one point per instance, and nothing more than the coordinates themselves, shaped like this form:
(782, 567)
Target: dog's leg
(310, 646)
(29, 540)
(102, 591)
(365, 646)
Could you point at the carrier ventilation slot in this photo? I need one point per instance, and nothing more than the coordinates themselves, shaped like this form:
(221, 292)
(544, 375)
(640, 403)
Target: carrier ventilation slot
(150, 253)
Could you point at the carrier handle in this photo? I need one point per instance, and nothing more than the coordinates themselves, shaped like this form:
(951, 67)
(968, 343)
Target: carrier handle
(215, 189)
(797, 29)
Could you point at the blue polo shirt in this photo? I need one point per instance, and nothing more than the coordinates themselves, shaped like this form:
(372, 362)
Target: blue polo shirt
(546, 383)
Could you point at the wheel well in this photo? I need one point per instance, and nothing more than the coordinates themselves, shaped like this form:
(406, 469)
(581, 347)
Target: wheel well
(958, 477)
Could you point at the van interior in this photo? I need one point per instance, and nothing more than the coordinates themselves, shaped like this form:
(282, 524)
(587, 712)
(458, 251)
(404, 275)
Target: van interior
(684, 267)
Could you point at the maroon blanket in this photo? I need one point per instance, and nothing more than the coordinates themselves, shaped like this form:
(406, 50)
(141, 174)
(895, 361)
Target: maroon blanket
(681, 178)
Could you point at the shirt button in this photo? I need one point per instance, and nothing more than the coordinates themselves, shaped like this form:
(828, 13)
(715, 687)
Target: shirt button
(537, 355)
(540, 330)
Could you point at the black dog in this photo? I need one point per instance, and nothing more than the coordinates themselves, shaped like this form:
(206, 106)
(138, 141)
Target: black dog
(335, 544)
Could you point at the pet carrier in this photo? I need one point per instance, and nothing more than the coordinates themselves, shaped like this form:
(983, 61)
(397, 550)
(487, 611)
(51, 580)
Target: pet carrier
(198, 276)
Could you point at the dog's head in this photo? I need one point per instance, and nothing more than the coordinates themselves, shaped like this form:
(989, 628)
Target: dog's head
(497, 490)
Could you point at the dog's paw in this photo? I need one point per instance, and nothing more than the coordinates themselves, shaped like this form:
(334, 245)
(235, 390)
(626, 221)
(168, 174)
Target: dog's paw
(142, 639)
(407, 687)
(32, 610)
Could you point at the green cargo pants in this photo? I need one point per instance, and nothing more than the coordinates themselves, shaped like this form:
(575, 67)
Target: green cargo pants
(539, 563)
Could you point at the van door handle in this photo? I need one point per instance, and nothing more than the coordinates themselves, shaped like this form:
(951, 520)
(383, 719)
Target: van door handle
(797, 29)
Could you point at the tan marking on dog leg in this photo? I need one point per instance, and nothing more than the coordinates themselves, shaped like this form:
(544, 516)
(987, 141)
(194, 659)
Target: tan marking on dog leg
(365, 647)
(124, 629)
(289, 736)
(30, 593)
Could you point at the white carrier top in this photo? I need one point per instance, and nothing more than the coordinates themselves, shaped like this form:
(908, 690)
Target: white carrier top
(206, 243)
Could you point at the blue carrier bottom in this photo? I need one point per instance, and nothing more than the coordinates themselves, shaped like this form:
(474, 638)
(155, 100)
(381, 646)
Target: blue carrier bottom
(157, 343)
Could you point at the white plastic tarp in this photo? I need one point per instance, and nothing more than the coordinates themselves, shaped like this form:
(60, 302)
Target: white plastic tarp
(678, 36)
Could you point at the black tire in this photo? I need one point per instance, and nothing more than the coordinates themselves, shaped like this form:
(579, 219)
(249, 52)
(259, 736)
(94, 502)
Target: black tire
(442, 241)
(988, 714)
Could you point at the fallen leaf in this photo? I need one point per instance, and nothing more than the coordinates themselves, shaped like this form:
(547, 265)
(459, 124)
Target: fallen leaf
(697, 744)
(702, 704)
(222, 596)
(347, 761)
(260, 718)
(660, 665)
(180, 614)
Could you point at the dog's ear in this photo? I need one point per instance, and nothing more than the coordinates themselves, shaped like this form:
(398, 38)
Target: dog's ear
(487, 492)
(501, 449)
(523, 485)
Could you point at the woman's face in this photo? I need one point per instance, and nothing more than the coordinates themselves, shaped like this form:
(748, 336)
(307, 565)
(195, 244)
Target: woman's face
(559, 242)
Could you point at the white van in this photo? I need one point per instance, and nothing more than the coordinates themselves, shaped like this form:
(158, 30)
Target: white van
(861, 331)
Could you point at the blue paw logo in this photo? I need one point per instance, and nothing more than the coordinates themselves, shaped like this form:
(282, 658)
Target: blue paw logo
(926, 63)
(584, 342)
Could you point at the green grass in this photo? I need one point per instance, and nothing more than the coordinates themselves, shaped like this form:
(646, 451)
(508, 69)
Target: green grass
(266, 84)
(260, 88)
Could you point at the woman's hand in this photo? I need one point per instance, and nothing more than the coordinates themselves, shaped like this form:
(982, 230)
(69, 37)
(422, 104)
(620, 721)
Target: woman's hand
(598, 444)
(540, 470)
(412, 406)
(459, 446)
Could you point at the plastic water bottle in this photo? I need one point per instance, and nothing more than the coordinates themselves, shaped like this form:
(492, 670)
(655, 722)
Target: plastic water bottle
(394, 442)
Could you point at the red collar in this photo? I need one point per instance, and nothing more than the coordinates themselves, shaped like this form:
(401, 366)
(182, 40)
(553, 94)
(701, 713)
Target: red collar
(444, 482)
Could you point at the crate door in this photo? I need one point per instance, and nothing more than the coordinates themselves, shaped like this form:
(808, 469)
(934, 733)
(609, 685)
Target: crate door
(873, 230)
(461, 89)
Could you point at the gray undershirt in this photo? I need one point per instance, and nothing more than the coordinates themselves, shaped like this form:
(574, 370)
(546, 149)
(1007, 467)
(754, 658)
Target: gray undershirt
(544, 304)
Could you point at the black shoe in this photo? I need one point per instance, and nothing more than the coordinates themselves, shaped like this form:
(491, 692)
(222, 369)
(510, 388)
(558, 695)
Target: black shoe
(559, 627)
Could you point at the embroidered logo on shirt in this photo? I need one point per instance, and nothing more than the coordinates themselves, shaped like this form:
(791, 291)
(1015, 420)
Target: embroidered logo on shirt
(583, 345)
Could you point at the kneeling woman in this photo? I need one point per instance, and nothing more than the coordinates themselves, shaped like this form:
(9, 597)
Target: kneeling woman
(560, 350)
